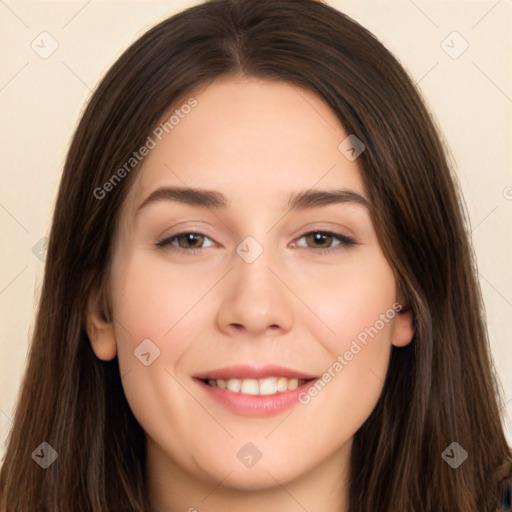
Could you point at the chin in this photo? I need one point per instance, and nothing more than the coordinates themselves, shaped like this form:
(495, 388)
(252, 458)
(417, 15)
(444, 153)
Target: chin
(257, 479)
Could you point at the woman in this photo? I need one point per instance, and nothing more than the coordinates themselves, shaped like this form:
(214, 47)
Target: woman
(195, 349)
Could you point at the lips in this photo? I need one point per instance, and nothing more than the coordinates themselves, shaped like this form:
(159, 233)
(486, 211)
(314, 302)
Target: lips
(254, 392)
(253, 372)
(251, 389)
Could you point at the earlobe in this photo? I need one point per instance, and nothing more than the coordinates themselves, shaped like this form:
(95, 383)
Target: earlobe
(403, 330)
(100, 328)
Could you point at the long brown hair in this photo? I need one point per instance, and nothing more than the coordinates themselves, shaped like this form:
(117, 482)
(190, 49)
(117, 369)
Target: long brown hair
(439, 390)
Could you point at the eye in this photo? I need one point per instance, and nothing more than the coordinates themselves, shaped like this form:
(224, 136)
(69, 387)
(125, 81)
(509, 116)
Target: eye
(187, 241)
(323, 241)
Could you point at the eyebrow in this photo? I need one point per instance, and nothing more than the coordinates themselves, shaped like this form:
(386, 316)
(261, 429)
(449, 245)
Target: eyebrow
(216, 200)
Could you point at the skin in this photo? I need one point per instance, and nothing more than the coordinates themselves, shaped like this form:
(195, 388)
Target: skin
(256, 142)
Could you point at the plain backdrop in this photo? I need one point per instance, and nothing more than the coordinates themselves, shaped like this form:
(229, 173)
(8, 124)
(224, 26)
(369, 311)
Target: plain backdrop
(459, 52)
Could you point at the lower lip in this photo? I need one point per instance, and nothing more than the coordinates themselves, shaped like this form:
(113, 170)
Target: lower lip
(255, 406)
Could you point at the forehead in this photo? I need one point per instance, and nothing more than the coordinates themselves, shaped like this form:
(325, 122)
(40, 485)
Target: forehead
(251, 139)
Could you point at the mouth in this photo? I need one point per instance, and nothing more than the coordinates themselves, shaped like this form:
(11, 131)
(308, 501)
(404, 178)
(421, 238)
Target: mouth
(263, 387)
(254, 391)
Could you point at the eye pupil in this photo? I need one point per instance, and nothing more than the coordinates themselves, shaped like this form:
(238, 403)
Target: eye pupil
(191, 238)
(320, 238)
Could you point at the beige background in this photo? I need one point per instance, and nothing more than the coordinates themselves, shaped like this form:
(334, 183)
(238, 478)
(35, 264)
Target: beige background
(41, 100)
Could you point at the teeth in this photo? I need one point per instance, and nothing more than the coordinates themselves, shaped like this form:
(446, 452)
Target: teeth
(293, 384)
(266, 386)
(250, 387)
(234, 385)
(282, 384)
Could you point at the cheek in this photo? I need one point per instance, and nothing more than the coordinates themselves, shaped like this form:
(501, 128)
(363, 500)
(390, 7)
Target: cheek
(352, 299)
(356, 303)
(154, 299)
(158, 315)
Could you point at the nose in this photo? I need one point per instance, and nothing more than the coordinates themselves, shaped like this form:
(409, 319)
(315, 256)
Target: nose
(255, 301)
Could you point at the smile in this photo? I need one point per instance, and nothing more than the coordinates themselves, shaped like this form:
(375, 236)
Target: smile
(256, 392)
(266, 386)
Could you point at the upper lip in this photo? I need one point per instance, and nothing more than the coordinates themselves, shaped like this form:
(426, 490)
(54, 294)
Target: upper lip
(253, 372)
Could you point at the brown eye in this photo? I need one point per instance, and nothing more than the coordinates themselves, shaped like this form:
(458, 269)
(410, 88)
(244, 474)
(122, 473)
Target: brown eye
(324, 241)
(185, 241)
(319, 239)
(190, 240)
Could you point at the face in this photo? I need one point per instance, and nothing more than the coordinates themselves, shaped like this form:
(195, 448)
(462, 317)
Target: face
(253, 325)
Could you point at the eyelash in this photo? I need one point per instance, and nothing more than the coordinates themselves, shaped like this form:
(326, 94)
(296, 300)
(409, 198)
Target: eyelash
(345, 242)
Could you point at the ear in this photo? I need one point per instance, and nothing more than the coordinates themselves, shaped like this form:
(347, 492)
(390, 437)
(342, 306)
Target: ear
(100, 327)
(403, 330)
